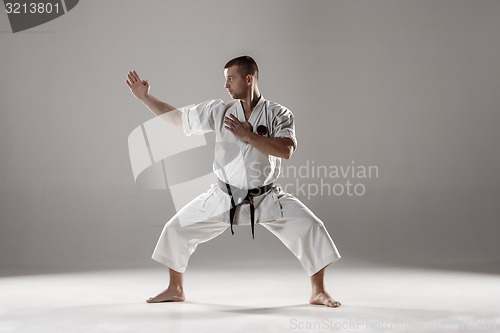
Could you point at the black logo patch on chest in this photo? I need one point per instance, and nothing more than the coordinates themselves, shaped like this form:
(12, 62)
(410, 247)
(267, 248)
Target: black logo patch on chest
(261, 130)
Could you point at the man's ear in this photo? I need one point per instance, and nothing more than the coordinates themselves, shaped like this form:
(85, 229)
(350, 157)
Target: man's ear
(249, 79)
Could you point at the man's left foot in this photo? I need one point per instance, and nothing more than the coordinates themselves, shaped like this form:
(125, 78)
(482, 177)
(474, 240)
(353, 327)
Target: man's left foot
(323, 298)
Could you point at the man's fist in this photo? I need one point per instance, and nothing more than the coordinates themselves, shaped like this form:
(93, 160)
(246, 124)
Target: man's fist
(138, 87)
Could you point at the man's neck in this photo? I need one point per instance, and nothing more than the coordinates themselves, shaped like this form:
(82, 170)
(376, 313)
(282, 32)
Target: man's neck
(250, 101)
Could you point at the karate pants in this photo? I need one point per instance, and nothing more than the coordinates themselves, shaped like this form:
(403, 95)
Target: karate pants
(302, 232)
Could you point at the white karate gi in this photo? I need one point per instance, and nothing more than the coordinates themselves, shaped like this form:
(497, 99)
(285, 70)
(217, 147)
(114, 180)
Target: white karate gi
(245, 167)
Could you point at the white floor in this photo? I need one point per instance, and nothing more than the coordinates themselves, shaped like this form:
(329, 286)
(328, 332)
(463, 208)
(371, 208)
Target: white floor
(374, 299)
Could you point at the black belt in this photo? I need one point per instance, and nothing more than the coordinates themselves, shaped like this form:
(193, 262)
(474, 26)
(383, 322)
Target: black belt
(250, 194)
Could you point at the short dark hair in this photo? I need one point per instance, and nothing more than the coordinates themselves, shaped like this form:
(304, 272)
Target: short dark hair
(246, 66)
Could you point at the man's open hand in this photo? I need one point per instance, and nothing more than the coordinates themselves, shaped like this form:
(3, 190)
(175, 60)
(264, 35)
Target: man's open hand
(241, 130)
(138, 87)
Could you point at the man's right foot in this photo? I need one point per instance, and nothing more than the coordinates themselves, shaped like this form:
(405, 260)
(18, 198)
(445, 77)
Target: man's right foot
(171, 294)
(324, 298)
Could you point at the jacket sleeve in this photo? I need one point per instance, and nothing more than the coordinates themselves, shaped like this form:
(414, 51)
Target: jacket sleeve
(283, 126)
(199, 119)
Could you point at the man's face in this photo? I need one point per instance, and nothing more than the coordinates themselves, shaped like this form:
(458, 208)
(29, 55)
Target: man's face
(236, 85)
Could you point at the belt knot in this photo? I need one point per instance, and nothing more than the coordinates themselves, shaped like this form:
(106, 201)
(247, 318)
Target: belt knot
(250, 193)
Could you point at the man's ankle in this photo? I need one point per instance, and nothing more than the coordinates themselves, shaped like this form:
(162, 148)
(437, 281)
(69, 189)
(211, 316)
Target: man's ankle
(175, 287)
(317, 290)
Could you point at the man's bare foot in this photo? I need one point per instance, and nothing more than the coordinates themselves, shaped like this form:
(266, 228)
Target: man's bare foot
(323, 298)
(171, 294)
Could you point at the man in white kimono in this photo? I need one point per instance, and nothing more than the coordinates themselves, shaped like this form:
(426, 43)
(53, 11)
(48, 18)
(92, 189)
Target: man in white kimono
(252, 135)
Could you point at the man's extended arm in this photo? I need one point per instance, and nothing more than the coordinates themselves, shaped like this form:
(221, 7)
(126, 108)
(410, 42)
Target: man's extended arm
(140, 89)
(166, 111)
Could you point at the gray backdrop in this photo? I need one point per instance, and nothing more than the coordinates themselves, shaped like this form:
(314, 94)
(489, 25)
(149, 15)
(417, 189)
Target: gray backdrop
(411, 87)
